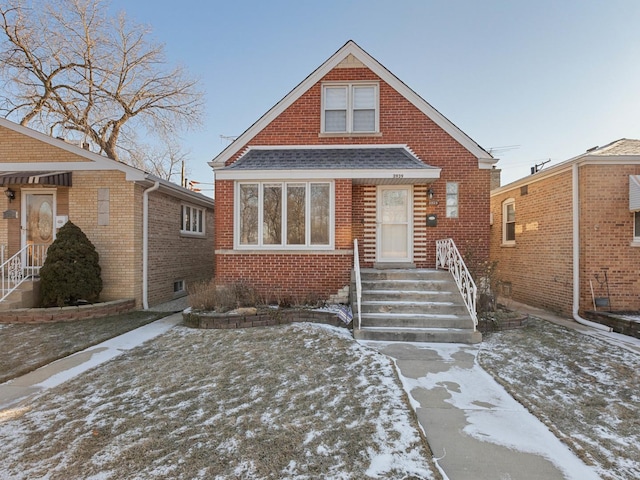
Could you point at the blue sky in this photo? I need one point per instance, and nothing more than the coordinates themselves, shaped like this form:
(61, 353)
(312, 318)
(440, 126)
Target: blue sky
(553, 78)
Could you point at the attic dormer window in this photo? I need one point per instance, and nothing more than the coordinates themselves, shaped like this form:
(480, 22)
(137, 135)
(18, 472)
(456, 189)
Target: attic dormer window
(350, 108)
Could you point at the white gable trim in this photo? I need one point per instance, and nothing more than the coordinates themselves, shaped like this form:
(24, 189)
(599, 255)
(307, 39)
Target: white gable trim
(485, 160)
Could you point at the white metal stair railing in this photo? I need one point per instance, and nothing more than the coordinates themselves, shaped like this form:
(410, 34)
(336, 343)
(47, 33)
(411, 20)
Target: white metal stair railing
(356, 269)
(448, 258)
(14, 271)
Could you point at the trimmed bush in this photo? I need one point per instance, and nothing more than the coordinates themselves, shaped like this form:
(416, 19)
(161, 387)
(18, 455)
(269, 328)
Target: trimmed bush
(71, 271)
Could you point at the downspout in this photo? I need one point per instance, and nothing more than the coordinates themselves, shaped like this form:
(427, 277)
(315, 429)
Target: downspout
(576, 255)
(145, 244)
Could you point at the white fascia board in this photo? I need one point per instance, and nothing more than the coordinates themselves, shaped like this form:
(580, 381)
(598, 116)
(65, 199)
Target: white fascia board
(406, 174)
(375, 66)
(487, 163)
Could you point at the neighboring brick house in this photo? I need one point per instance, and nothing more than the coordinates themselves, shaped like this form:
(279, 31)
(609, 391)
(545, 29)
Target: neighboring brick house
(568, 228)
(52, 181)
(350, 153)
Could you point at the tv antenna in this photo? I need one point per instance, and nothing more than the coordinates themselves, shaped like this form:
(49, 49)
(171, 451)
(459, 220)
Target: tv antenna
(503, 149)
(228, 138)
(538, 166)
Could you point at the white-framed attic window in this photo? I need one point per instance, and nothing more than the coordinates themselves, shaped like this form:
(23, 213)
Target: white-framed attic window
(350, 108)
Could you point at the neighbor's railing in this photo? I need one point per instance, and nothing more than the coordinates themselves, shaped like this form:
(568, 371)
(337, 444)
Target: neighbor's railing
(14, 270)
(356, 269)
(448, 257)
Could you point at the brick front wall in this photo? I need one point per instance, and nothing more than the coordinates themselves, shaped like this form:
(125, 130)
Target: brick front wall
(400, 123)
(539, 267)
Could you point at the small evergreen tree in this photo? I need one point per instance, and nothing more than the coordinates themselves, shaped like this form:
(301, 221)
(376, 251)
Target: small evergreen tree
(72, 270)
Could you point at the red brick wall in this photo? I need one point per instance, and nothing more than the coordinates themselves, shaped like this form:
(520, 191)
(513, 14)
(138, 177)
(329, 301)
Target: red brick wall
(400, 123)
(296, 276)
(540, 268)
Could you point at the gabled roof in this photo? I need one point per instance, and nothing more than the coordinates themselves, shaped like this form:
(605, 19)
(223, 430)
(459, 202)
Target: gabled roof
(624, 146)
(618, 152)
(352, 49)
(94, 162)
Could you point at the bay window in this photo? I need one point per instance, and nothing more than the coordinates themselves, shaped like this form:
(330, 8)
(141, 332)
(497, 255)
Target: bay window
(284, 214)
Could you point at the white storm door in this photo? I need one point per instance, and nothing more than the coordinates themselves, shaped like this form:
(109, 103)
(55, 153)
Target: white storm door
(395, 229)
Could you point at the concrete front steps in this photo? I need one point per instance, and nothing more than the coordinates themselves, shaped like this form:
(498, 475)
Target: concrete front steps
(413, 305)
(25, 296)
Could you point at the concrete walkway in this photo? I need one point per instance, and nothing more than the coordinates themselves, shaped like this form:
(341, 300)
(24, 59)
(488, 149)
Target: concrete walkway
(475, 429)
(22, 388)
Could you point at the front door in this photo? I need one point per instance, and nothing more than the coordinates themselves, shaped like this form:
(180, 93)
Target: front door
(394, 220)
(38, 219)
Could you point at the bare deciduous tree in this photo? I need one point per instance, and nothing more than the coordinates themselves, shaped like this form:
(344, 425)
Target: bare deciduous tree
(72, 70)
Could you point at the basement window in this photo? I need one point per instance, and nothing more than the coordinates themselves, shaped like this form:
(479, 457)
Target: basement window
(178, 286)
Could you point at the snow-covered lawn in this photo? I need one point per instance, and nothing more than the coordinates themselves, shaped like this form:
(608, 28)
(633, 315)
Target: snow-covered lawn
(294, 402)
(586, 390)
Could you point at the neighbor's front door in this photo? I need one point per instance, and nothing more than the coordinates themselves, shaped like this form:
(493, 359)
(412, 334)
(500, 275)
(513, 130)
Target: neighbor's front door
(395, 228)
(38, 220)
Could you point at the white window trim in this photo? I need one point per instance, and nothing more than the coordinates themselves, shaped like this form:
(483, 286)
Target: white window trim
(446, 204)
(260, 246)
(508, 201)
(635, 241)
(349, 86)
(203, 225)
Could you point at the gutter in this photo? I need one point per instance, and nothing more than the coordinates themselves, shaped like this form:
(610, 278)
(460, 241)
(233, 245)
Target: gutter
(576, 255)
(145, 244)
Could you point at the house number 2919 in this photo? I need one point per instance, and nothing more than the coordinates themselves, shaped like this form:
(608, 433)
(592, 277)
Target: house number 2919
(398, 175)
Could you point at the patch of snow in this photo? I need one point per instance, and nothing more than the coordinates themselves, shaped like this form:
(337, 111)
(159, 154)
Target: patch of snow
(493, 415)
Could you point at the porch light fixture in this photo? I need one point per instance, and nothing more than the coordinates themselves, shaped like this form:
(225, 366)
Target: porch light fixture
(11, 195)
(430, 193)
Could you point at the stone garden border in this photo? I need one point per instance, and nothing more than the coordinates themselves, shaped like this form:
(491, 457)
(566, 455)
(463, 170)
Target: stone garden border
(67, 314)
(197, 319)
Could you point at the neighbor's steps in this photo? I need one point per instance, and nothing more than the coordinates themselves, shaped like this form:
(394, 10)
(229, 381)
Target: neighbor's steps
(414, 305)
(25, 296)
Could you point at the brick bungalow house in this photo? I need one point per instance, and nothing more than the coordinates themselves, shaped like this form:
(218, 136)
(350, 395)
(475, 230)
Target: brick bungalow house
(569, 228)
(350, 153)
(154, 238)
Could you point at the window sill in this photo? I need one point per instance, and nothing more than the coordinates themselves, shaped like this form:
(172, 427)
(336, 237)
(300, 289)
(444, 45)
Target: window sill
(635, 243)
(349, 134)
(508, 245)
(282, 251)
(193, 235)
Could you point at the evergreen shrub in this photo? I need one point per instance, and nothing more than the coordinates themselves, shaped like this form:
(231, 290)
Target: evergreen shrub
(71, 271)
